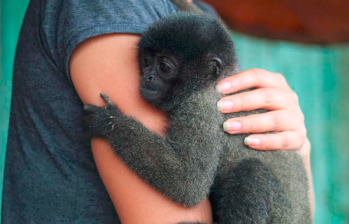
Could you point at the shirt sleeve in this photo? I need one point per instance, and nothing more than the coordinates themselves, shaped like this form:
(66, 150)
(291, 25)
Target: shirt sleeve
(66, 23)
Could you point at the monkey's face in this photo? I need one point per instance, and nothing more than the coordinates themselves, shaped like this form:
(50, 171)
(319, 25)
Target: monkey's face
(168, 78)
(159, 73)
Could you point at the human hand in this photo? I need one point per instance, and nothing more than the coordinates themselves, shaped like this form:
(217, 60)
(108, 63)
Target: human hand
(271, 92)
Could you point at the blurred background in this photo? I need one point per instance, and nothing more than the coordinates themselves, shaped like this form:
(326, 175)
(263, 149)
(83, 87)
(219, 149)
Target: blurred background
(307, 41)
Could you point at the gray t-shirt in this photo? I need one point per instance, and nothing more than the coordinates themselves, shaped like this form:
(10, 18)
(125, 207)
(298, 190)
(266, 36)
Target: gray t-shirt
(50, 174)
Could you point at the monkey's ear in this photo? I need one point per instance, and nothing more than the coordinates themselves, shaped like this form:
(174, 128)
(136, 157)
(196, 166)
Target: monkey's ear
(216, 63)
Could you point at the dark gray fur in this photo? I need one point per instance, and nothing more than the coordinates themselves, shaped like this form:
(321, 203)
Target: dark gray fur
(198, 158)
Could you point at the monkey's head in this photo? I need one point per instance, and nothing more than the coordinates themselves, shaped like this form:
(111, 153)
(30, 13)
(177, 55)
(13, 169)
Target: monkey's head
(181, 54)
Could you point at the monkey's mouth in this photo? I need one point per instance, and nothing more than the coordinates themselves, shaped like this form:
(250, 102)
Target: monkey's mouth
(151, 95)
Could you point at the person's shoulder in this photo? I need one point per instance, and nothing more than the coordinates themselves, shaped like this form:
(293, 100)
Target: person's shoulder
(66, 24)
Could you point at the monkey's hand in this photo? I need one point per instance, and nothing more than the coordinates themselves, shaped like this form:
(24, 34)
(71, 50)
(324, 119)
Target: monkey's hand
(98, 120)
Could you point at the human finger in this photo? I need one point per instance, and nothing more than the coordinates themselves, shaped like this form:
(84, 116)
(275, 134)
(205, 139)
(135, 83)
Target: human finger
(265, 122)
(265, 98)
(252, 78)
(287, 140)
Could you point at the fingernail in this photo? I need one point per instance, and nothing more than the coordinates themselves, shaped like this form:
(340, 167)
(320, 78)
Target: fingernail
(223, 86)
(231, 126)
(252, 141)
(224, 105)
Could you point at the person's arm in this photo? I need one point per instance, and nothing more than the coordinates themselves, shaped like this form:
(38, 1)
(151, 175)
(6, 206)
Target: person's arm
(285, 116)
(109, 64)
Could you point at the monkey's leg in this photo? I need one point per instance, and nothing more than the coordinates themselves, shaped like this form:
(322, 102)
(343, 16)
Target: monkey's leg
(184, 176)
(251, 195)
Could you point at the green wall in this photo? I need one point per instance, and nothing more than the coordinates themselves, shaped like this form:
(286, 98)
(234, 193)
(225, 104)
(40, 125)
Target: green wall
(318, 74)
(11, 16)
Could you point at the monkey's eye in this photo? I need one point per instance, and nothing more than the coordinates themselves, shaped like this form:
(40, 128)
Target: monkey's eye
(166, 67)
(147, 60)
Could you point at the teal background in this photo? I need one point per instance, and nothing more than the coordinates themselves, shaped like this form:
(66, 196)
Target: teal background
(318, 74)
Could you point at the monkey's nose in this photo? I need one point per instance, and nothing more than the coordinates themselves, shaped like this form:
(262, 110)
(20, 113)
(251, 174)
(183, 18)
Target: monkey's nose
(150, 78)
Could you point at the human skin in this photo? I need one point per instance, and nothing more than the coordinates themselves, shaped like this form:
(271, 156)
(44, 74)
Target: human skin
(98, 66)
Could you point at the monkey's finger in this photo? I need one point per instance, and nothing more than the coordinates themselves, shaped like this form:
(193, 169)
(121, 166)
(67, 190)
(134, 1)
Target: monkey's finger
(106, 99)
(265, 98)
(252, 78)
(278, 120)
(287, 140)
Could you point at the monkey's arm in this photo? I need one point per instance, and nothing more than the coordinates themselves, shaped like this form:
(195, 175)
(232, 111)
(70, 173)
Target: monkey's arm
(182, 172)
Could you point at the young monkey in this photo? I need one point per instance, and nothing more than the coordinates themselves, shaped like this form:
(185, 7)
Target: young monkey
(181, 58)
